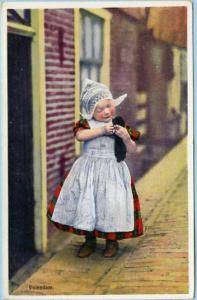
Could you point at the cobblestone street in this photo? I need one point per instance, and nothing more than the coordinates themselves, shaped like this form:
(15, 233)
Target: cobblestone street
(156, 263)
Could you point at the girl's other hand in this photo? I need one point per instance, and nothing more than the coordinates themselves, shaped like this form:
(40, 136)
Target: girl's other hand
(121, 132)
(124, 135)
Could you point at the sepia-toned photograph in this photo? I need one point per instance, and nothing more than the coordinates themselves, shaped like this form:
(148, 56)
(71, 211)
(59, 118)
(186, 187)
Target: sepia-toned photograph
(99, 104)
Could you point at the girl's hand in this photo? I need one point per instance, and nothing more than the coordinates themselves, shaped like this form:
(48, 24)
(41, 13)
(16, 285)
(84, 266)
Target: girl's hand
(124, 135)
(121, 132)
(109, 129)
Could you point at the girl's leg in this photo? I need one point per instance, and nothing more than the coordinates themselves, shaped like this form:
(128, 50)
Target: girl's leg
(111, 248)
(90, 236)
(88, 247)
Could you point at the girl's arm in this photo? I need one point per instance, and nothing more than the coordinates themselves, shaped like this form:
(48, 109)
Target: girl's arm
(130, 145)
(124, 135)
(87, 134)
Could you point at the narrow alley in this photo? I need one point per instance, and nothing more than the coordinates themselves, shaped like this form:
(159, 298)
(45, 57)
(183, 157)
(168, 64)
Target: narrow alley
(156, 263)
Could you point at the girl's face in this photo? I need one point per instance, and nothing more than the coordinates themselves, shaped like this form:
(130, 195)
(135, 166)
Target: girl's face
(104, 111)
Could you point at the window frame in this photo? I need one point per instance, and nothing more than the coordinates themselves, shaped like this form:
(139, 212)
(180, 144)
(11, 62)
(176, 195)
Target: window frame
(16, 18)
(105, 68)
(91, 62)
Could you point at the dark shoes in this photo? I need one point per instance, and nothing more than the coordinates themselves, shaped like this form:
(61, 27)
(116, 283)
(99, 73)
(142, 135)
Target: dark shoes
(111, 248)
(87, 248)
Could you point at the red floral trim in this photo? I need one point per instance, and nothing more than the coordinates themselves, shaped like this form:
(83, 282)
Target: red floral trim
(81, 124)
(134, 134)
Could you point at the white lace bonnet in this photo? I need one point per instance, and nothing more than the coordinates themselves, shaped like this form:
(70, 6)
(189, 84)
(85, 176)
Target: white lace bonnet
(92, 92)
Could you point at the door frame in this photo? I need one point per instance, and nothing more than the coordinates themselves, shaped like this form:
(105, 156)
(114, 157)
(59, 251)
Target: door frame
(39, 130)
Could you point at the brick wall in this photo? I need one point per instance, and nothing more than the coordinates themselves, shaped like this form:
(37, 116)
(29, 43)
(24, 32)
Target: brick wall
(60, 81)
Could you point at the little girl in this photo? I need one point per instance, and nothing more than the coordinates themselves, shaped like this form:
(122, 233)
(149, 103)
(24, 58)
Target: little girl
(97, 197)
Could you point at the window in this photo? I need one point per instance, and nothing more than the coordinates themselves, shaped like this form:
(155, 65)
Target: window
(92, 50)
(21, 16)
(91, 46)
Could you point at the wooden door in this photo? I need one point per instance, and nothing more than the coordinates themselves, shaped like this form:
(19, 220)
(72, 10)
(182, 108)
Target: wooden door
(20, 153)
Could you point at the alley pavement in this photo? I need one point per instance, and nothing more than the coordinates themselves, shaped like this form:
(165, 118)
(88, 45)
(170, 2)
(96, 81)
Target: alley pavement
(156, 263)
